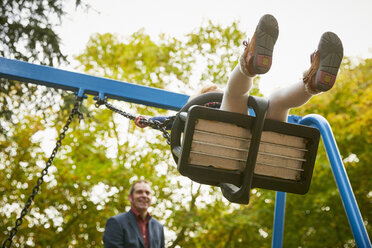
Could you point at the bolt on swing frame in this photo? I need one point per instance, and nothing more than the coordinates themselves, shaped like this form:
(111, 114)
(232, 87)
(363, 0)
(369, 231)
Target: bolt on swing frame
(82, 84)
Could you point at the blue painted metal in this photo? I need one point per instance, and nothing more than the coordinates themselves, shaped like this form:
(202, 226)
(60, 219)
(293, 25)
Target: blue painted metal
(279, 212)
(342, 180)
(85, 84)
(277, 241)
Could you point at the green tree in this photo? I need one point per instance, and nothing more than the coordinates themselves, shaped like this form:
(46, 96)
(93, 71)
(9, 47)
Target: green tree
(104, 154)
(27, 30)
(27, 33)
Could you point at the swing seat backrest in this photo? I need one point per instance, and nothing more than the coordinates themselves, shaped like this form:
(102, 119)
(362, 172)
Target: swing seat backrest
(215, 150)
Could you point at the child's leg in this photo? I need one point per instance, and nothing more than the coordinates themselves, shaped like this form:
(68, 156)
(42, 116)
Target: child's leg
(256, 59)
(282, 100)
(236, 93)
(320, 77)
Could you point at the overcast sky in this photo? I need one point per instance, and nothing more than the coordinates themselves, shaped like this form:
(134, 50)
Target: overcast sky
(301, 23)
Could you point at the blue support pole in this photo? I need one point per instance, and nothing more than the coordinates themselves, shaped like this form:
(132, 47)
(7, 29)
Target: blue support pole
(279, 214)
(342, 180)
(85, 84)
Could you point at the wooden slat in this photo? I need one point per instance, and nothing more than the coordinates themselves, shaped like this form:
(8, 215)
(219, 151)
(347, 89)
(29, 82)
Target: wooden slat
(282, 150)
(288, 163)
(277, 172)
(222, 128)
(220, 150)
(283, 139)
(221, 140)
(216, 162)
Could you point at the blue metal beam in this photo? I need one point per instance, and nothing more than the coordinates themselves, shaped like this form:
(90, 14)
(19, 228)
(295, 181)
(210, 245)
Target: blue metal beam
(86, 84)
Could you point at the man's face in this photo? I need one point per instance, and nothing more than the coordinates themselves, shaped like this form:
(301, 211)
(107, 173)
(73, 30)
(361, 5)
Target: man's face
(141, 198)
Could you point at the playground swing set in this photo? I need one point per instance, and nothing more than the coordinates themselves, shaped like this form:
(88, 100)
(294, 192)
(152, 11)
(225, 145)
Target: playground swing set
(232, 151)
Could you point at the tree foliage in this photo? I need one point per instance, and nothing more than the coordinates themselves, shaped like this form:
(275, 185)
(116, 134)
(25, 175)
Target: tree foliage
(27, 33)
(103, 154)
(27, 30)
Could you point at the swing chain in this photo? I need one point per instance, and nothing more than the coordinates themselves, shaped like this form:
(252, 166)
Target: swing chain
(161, 126)
(44, 172)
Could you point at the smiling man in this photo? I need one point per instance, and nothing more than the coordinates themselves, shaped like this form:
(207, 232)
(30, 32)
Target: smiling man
(135, 228)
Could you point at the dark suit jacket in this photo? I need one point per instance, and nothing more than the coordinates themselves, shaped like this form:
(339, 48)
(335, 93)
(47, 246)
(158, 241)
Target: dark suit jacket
(123, 231)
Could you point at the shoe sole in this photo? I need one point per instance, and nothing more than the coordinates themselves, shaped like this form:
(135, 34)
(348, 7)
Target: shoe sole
(267, 32)
(331, 53)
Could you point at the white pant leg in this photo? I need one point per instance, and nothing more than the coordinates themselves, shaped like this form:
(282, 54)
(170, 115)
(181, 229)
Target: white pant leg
(282, 100)
(236, 93)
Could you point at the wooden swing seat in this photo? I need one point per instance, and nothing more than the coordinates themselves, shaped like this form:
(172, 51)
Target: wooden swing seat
(238, 152)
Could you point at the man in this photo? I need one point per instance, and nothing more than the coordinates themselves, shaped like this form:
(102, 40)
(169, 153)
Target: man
(135, 228)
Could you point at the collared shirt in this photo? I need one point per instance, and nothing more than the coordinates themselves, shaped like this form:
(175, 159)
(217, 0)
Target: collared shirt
(143, 226)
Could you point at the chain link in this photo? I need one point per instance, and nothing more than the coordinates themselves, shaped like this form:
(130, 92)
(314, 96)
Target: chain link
(8, 242)
(153, 124)
(160, 126)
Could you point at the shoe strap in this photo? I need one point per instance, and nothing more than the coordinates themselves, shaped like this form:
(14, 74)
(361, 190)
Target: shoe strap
(312, 56)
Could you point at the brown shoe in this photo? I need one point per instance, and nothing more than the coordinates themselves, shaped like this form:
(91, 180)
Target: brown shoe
(325, 62)
(257, 56)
